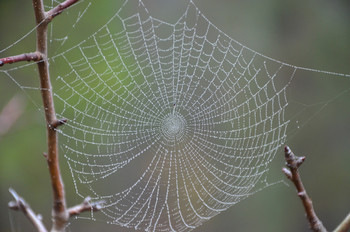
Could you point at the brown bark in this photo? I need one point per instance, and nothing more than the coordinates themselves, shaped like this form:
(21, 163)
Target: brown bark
(293, 162)
(60, 213)
(33, 56)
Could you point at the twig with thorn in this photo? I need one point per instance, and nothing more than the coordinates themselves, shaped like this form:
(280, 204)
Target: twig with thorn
(21, 205)
(58, 122)
(293, 162)
(60, 212)
(86, 205)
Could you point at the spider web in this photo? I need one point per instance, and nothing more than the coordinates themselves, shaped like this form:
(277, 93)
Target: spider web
(184, 118)
(203, 112)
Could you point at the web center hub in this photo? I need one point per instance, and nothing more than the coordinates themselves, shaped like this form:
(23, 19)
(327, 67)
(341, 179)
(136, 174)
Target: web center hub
(173, 126)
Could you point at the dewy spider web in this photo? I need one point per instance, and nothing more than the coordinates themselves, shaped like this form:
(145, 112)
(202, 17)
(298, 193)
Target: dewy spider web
(204, 112)
(179, 121)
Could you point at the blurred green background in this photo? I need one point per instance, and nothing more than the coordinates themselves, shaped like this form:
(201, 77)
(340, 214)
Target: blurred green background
(310, 33)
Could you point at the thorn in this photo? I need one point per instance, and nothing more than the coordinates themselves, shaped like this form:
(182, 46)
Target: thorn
(18, 203)
(59, 122)
(87, 200)
(300, 161)
(45, 155)
(13, 193)
(62, 121)
(302, 194)
(13, 205)
(287, 150)
(98, 205)
(287, 173)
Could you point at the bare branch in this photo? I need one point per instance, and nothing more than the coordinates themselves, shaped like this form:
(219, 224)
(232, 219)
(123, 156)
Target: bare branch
(33, 56)
(21, 205)
(344, 225)
(60, 8)
(59, 212)
(86, 205)
(293, 162)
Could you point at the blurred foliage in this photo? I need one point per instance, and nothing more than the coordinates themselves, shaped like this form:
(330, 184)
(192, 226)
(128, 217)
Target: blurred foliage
(311, 33)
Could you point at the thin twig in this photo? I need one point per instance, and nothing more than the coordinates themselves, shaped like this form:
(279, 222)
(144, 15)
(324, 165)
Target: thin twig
(293, 162)
(344, 225)
(33, 56)
(42, 18)
(20, 204)
(60, 8)
(86, 205)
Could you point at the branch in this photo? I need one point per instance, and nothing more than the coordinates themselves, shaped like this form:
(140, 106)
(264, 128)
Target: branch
(293, 162)
(60, 8)
(33, 56)
(344, 225)
(21, 205)
(42, 18)
(86, 205)
(59, 212)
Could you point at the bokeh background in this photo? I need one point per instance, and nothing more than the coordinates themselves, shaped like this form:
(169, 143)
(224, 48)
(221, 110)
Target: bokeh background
(311, 33)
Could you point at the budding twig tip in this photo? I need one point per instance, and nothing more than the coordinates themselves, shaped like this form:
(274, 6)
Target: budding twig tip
(287, 150)
(13, 193)
(87, 199)
(13, 205)
(300, 161)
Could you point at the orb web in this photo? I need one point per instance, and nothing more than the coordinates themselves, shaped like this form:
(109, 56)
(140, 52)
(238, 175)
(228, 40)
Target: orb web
(189, 115)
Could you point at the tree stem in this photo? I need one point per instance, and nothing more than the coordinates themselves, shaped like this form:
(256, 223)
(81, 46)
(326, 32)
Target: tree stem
(60, 214)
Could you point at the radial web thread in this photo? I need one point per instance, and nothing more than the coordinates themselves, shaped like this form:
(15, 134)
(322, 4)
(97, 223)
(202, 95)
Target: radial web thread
(201, 115)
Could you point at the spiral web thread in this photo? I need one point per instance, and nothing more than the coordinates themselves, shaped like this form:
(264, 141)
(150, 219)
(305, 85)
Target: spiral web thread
(205, 113)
